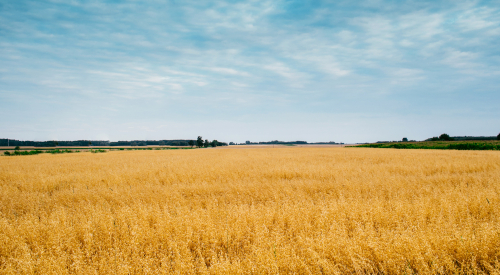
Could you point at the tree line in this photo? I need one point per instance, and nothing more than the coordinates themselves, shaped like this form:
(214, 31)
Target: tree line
(200, 143)
(446, 137)
(54, 143)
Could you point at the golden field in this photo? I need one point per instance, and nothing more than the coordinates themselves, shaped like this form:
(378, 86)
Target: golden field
(251, 211)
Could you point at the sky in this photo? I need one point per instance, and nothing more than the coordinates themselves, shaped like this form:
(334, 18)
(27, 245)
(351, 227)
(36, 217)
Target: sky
(343, 71)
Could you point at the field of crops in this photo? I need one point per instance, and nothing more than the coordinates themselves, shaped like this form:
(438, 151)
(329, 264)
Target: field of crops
(251, 211)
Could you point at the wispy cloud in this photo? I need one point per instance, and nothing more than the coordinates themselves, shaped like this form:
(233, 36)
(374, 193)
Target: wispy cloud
(228, 71)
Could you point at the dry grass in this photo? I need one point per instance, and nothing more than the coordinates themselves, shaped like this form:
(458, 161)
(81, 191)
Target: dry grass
(254, 211)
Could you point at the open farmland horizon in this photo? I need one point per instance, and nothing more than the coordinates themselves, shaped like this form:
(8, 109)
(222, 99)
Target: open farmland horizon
(7, 142)
(260, 210)
(249, 137)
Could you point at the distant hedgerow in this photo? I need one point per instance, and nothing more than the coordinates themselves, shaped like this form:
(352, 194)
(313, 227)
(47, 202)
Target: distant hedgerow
(22, 153)
(436, 145)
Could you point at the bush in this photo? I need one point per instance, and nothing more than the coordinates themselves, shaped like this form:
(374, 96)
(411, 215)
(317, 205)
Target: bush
(57, 151)
(7, 153)
(17, 148)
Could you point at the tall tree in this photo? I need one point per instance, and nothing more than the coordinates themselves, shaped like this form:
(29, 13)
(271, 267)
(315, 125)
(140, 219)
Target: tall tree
(191, 143)
(199, 142)
(498, 137)
(207, 143)
(445, 137)
(214, 143)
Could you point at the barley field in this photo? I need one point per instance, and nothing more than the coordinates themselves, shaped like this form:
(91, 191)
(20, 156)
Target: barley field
(251, 211)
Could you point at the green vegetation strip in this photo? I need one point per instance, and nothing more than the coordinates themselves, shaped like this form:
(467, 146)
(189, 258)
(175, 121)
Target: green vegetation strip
(36, 152)
(437, 145)
(106, 148)
(57, 151)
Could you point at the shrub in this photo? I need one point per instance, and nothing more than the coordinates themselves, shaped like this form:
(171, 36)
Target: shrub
(57, 151)
(7, 153)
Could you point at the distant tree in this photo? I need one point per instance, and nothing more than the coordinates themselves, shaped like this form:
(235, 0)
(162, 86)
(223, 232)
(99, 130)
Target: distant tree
(206, 144)
(214, 143)
(191, 143)
(90, 143)
(434, 139)
(161, 143)
(445, 137)
(405, 139)
(56, 143)
(17, 148)
(199, 142)
(498, 137)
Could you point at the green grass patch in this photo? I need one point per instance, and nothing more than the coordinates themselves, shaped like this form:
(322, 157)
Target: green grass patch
(441, 145)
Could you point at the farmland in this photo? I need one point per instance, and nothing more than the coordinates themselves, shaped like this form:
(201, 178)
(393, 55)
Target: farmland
(253, 211)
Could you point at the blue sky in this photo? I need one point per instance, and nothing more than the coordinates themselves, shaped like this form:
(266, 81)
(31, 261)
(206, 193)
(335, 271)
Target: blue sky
(350, 71)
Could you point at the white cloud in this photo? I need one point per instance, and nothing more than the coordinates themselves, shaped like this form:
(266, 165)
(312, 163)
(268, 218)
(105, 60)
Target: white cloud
(460, 59)
(293, 78)
(478, 19)
(406, 76)
(228, 71)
